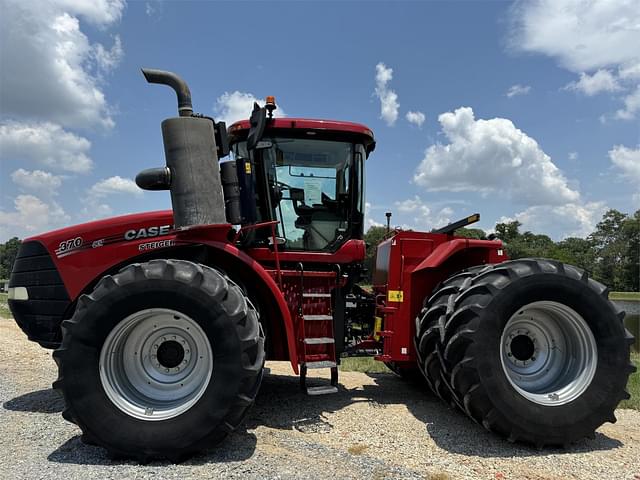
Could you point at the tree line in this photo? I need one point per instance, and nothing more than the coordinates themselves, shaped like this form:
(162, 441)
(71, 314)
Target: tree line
(611, 254)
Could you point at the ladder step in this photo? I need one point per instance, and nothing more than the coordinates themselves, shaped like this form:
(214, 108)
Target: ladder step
(318, 340)
(323, 364)
(322, 390)
(316, 295)
(317, 317)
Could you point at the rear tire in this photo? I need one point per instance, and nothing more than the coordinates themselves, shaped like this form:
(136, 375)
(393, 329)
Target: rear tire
(161, 360)
(533, 350)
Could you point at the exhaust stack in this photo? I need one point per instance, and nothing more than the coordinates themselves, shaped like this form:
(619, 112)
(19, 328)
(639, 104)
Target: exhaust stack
(192, 174)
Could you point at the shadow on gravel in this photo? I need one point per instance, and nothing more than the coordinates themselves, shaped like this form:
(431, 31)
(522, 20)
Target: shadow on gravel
(237, 447)
(41, 401)
(282, 405)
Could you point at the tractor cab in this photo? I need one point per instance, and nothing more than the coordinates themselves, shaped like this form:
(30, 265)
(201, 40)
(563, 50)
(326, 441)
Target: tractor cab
(308, 175)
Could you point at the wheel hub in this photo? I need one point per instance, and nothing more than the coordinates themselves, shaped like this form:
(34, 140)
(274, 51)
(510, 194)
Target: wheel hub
(548, 353)
(170, 354)
(155, 364)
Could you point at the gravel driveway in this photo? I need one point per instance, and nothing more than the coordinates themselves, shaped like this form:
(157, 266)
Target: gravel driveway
(376, 427)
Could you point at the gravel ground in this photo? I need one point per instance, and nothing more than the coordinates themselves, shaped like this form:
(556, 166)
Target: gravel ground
(376, 427)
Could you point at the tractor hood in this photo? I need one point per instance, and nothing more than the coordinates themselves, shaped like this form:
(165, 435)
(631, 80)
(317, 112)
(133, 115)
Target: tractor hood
(100, 233)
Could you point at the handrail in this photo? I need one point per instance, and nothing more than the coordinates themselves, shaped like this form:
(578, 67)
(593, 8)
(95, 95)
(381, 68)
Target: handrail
(256, 226)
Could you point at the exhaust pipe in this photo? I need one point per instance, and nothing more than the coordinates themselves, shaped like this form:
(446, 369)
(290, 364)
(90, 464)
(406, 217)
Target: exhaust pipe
(192, 174)
(185, 109)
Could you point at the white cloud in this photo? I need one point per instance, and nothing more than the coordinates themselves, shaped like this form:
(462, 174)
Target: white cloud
(31, 215)
(492, 156)
(573, 156)
(115, 185)
(583, 36)
(601, 81)
(561, 221)
(518, 89)
(424, 216)
(417, 118)
(389, 105)
(49, 67)
(369, 221)
(594, 39)
(37, 180)
(108, 59)
(235, 106)
(45, 143)
(631, 106)
(627, 160)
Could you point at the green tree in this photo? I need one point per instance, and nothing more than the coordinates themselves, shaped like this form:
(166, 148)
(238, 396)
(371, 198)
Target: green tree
(372, 238)
(476, 233)
(630, 271)
(611, 249)
(8, 253)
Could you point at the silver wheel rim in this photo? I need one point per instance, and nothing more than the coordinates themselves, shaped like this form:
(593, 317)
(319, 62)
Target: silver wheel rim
(156, 364)
(548, 353)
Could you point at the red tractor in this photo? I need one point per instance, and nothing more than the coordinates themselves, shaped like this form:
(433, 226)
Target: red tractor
(162, 321)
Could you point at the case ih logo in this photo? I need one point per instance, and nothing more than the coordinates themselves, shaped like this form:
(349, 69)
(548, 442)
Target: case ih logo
(147, 232)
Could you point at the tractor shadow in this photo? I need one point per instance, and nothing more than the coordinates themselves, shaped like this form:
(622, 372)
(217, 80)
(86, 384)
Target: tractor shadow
(282, 405)
(40, 401)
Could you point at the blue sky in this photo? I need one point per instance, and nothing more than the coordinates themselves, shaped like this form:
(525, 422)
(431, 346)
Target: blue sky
(528, 110)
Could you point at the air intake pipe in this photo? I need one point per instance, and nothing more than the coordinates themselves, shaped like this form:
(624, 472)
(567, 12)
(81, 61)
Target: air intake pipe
(192, 174)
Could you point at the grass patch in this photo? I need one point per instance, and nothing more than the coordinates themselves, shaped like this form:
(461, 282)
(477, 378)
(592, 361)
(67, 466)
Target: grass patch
(363, 364)
(4, 308)
(633, 386)
(633, 296)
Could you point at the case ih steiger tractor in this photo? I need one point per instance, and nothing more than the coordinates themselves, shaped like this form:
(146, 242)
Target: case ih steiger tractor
(162, 321)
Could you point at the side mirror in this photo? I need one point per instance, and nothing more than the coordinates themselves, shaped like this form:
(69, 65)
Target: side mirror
(258, 121)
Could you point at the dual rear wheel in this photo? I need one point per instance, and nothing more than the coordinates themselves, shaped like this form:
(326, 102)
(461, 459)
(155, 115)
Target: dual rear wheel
(531, 349)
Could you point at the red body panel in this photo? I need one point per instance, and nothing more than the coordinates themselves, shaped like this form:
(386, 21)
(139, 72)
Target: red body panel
(413, 263)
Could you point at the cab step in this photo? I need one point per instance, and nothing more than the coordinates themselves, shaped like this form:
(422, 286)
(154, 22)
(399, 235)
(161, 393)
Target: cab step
(319, 340)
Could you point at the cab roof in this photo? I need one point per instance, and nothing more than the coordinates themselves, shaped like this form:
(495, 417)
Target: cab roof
(240, 129)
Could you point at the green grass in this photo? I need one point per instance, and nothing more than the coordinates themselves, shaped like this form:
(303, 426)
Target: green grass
(634, 296)
(4, 308)
(633, 386)
(363, 364)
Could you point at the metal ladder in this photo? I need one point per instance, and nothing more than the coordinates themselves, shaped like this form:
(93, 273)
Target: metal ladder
(316, 335)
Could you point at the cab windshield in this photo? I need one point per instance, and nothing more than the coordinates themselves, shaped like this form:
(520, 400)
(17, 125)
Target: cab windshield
(314, 190)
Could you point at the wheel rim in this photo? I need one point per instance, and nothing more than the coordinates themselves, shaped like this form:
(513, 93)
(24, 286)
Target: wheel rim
(548, 353)
(156, 364)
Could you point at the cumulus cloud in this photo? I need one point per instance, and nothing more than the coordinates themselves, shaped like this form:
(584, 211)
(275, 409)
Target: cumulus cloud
(114, 186)
(423, 215)
(573, 156)
(31, 215)
(598, 40)
(369, 221)
(631, 106)
(515, 90)
(417, 118)
(45, 143)
(627, 160)
(235, 106)
(577, 220)
(492, 156)
(49, 67)
(37, 180)
(601, 81)
(389, 105)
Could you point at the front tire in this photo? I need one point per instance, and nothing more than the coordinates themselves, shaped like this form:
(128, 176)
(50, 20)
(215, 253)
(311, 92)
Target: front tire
(533, 350)
(161, 360)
